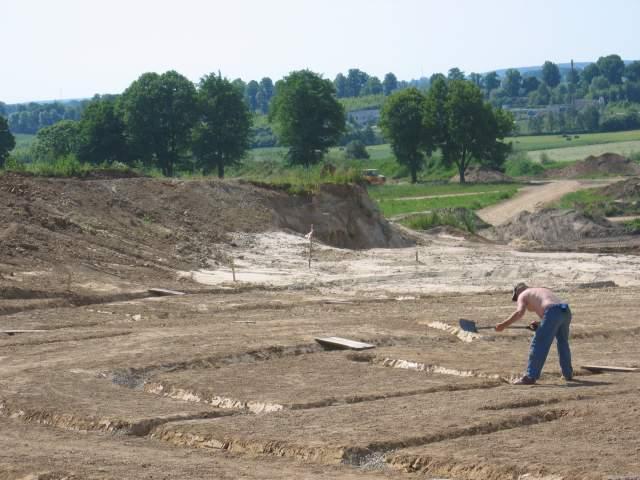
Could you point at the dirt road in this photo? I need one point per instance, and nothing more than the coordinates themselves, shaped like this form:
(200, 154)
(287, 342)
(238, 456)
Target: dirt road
(534, 197)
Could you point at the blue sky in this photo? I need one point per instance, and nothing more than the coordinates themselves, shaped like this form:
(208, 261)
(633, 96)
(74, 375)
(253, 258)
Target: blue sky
(76, 48)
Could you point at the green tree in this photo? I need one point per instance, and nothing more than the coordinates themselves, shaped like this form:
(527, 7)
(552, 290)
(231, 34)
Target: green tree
(402, 121)
(221, 135)
(632, 71)
(356, 80)
(512, 82)
(57, 140)
(542, 95)
(240, 85)
(251, 92)
(7, 140)
(306, 116)
(266, 92)
(158, 112)
(473, 129)
(356, 149)
(476, 79)
(389, 84)
(589, 73)
(435, 77)
(612, 67)
(551, 74)
(372, 87)
(491, 81)
(340, 84)
(102, 137)
(530, 84)
(455, 74)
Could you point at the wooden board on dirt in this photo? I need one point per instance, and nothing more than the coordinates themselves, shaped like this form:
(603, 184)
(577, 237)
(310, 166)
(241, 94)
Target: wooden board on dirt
(13, 332)
(606, 368)
(163, 292)
(343, 343)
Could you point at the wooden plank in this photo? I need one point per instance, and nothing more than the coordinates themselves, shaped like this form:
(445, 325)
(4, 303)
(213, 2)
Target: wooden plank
(13, 332)
(343, 343)
(606, 368)
(162, 292)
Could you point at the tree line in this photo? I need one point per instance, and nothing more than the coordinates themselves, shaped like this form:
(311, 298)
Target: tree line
(166, 122)
(453, 117)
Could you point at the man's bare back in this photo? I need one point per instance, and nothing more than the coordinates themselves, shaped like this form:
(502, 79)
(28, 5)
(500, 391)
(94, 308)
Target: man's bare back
(537, 299)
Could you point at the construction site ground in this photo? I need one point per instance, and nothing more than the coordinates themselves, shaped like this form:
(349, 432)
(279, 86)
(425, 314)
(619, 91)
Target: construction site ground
(227, 380)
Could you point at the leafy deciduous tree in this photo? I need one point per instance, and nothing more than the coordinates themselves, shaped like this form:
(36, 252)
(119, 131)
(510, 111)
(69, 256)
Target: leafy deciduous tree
(340, 84)
(102, 137)
(455, 74)
(551, 74)
(158, 112)
(491, 81)
(7, 140)
(356, 80)
(402, 121)
(221, 134)
(512, 82)
(530, 84)
(307, 116)
(372, 87)
(612, 67)
(473, 129)
(389, 84)
(57, 140)
(632, 71)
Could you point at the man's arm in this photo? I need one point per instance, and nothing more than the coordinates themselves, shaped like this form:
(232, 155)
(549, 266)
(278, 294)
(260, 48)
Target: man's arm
(515, 316)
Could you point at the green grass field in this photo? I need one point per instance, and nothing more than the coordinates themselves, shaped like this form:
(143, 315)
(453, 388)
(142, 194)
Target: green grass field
(23, 140)
(392, 207)
(546, 142)
(394, 191)
(572, 154)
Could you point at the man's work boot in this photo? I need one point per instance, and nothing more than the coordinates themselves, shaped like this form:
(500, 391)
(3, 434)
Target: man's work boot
(525, 381)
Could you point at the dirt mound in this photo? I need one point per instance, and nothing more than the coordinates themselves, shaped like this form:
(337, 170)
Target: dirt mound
(624, 190)
(480, 174)
(342, 216)
(554, 228)
(141, 228)
(605, 164)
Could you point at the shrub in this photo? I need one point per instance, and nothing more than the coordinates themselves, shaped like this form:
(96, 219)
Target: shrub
(519, 165)
(356, 149)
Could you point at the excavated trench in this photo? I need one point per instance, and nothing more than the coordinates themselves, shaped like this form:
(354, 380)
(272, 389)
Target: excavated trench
(84, 423)
(348, 455)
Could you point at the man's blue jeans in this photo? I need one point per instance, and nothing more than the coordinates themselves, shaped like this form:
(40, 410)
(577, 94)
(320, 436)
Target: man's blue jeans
(555, 324)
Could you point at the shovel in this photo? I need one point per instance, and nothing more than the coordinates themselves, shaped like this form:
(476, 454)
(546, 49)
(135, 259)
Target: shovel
(470, 326)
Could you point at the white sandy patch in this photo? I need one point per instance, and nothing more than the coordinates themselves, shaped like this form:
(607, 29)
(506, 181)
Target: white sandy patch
(445, 265)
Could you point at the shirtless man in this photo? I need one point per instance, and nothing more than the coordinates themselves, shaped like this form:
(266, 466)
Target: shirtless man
(555, 318)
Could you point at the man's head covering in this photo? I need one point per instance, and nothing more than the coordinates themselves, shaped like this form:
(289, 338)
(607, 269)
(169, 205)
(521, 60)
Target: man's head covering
(517, 289)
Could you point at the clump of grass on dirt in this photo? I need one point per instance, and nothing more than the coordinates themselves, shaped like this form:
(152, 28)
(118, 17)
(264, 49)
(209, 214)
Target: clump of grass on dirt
(460, 218)
(66, 166)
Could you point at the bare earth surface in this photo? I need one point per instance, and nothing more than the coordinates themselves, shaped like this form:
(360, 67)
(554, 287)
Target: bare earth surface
(228, 382)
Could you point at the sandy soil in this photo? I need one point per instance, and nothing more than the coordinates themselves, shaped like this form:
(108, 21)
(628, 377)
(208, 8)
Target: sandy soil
(228, 382)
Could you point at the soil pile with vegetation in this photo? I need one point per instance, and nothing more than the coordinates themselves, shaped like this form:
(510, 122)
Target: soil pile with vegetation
(555, 228)
(605, 164)
(482, 174)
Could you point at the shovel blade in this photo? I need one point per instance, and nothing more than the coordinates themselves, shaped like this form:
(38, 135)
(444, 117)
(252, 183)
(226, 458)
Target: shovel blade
(468, 325)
